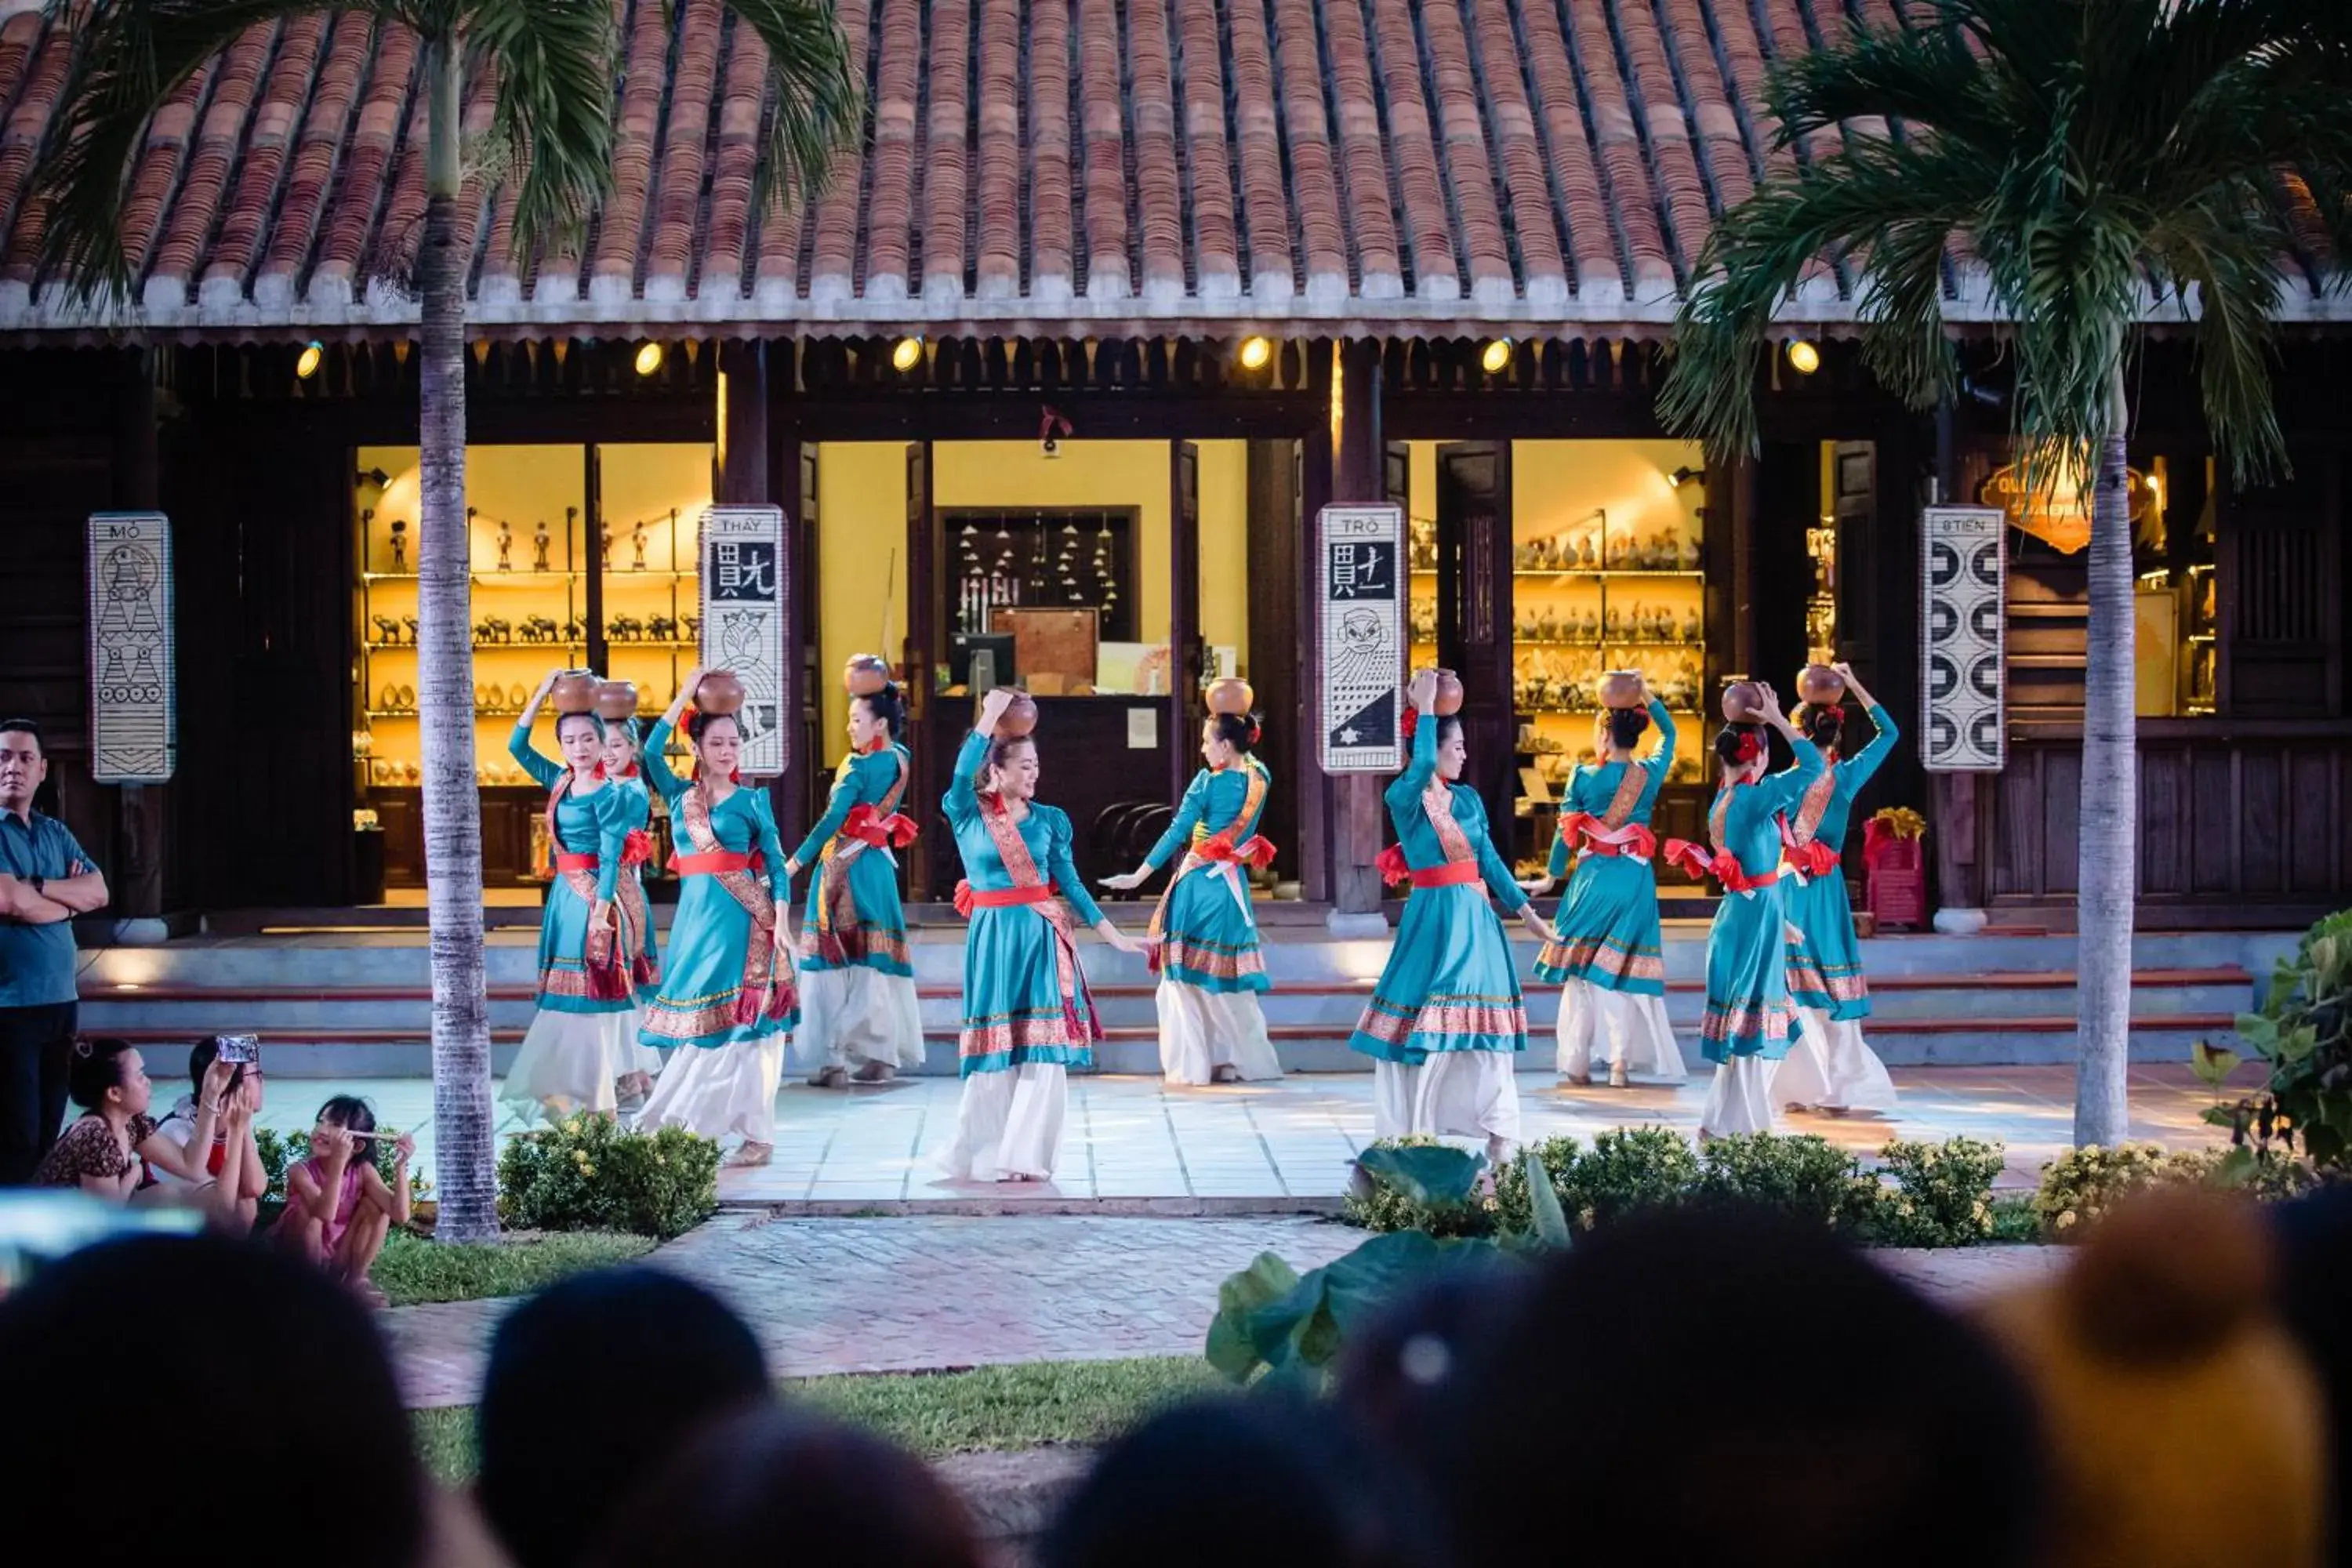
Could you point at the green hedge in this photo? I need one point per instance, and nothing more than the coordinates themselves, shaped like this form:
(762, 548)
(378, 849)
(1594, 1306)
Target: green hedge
(586, 1173)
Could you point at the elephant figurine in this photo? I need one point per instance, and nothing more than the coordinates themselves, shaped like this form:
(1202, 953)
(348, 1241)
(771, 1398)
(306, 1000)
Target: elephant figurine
(625, 628)
(574, 632)
(410, 622)
(538, 628)
(693, 627)
(388, 629)
(497, 629)
(662, 628)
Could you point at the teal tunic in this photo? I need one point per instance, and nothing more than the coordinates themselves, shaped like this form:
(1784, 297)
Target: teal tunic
(640, 816)
(854, 919)
(1449, 984)
(1207, 935)
(1825, 968)
(704, 999)
(1024, 997)
(1748, 1013)
(1607, 929)
(594, 824)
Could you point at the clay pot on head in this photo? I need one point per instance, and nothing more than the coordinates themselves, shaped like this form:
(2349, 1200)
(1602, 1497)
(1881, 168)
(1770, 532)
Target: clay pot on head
(1743, 703)
(865, 674)
(1820, 686)
(719, 691)
(1020, 716)
(616, 700)
(1231, 695)
(1448, 700)
(575, 692)
(1623, 688)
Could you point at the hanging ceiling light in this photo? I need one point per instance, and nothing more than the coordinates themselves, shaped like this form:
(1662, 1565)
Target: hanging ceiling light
(1803, 357)
(1257, 354)
(307, 364)
(649, 358)
(906, 354)
(1498, 357)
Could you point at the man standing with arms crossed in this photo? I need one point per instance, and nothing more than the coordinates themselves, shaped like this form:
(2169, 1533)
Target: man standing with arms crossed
(45, 881)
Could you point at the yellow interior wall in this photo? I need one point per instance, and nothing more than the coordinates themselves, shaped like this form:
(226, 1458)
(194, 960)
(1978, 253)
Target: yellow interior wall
(861, 522)
(523, 486)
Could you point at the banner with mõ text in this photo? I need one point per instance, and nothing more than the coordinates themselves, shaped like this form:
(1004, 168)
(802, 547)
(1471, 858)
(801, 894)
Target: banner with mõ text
(1359, 627)
(133, 722)
(745, 599)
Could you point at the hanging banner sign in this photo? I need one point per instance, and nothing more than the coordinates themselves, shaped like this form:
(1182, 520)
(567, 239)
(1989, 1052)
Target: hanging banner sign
(1963, 609)
(1360, 615)
(133, 722)
(744, 602)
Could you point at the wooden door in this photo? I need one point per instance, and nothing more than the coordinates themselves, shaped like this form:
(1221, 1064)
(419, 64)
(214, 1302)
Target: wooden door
(1186, 655)
(1854, 504)
(1474, 618)
(2278, 561)
(935, 868)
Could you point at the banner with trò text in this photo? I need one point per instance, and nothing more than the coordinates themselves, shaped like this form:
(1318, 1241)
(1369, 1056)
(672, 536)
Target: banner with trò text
(745, 599)
(133, 722)
(1359, 627)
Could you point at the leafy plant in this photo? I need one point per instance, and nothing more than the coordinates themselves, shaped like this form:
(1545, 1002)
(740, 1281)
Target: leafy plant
(1418, 1184)
(1627, 1168)
(1294, 1326)
(1806, 1176)
(2304, 1033)
(1942, 1193)
(588, 1174)
(1514, 1201)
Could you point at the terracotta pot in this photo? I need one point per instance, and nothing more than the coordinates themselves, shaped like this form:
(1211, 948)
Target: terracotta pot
(1623, 688)
(616, 700)
(719, 691)
(575, 692)
(1448, 700)
(865, 674)
(1231, 695)
(1743, 703)
(1020, 716)
(1820, 686)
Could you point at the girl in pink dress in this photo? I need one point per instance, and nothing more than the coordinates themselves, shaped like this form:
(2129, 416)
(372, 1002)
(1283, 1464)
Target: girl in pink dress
(339, 1209)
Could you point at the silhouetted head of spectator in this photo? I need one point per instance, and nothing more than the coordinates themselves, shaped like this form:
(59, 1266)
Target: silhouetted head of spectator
(775, 1485)
(1403, 1371)
(2314, 1260)
(299, 1420)
(1727, 1386)
(1261, 1479)
(593, 1384)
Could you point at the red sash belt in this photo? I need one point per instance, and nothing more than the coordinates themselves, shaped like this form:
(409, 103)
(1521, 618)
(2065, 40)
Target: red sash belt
(1253, 851)
(870, 827)
(1723, 867)
(716, 863)
(1396, 873)
(969, 897)
(1639, 841)
(1813, 859)
(566, 862)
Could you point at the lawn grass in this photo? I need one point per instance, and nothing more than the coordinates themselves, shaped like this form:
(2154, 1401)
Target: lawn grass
(938, 1414)
(413, 1271)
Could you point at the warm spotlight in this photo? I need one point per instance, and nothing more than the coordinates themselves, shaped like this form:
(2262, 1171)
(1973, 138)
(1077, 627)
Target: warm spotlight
(313, 355)
(649, 358)
(1256, 353)
(1686, 474)
(1498, 357)
(1803, 357)
(906, 353)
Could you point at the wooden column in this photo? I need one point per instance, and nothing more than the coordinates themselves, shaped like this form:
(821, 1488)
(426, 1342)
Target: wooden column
(137, 881)
(1310, 491)
(1185, 655)
(1357, 475)
(1276, 550)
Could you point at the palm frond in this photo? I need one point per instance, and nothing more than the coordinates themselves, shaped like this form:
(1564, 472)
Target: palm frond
(818, 98)
(557, 61)
(133, 55)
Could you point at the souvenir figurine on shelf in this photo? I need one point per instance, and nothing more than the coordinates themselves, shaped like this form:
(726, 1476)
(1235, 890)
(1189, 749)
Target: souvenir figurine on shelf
(605, 545)
(387, 630)
(399, 545)
(638, 538)
(506, 545)
(661, 628)
(410, 622)
(538, 543)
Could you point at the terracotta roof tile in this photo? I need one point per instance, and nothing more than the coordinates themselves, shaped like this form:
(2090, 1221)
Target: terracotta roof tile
(1051, 167)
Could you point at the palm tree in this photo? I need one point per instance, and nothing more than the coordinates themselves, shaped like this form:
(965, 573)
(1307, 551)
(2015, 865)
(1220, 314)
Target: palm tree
(2092, 165)
(556, 63)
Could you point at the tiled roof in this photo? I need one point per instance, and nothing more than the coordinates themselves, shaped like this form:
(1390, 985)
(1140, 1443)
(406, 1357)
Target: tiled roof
(1065, 165)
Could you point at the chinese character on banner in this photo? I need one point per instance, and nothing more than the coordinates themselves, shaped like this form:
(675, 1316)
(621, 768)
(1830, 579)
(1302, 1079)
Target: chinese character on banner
(744, 601)
(1361, 628)
(133, 718)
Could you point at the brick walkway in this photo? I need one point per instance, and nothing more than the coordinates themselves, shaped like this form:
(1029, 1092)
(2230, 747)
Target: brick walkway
(938, 1291)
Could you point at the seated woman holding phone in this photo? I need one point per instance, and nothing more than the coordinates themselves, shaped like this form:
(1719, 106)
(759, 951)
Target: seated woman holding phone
(233, 1160)
(115, 1150)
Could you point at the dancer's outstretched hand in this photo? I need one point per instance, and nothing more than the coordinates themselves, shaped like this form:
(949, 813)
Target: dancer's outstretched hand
(1537, 887)
(1538, 927)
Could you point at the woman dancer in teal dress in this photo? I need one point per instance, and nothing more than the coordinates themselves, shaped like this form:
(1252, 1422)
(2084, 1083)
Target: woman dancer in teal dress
(1831, 1068)
(579, 1053)
(624, 769)
(1751, 1019)
(727, 1003)
(858, 1013)
(1027, 1015)
(1605, 948)
(1446, 1021)
(1204, 933)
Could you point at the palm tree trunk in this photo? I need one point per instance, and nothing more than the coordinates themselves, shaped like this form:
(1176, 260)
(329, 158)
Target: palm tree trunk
(465, 1170)
(2110, 808)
